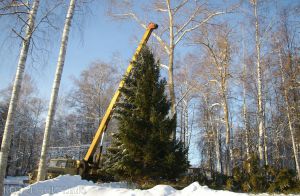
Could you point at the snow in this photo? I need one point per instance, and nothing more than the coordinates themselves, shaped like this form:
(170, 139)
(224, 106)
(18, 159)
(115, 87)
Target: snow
(73, 185)
(52, 186)
(13, 184)
(17, 180)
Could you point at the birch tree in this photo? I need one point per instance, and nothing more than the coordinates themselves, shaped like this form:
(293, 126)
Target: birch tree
(211, 111)
(8, 7)
(214, 126)
(284, 49)
(8, 130)
(185, 93)
(177, 20)
(245, 112)
(91, 95)
(288, 113)
(261, 120)
(27, 121)
(210, 123)
(55, 89)
(219, 51)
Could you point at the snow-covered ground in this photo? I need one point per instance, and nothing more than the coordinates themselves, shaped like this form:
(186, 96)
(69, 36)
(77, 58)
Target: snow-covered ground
(73, 185)
(13, 184)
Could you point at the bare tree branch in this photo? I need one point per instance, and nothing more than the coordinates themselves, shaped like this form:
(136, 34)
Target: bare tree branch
(184, 95)
(20, 36)
(164, 66)
(158, 38)
(179, 6)
(198, 25)
(187, 22)
(13, 13)
(45, 17)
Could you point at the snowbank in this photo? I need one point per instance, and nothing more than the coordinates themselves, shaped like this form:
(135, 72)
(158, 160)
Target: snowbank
(13, 184)
(52, 186)
(15, 180)
(73, 185)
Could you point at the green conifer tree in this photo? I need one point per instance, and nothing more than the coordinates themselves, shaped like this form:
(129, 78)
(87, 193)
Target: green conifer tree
(142, 149)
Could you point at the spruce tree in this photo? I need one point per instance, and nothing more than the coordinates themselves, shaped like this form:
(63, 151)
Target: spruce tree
(142, 148)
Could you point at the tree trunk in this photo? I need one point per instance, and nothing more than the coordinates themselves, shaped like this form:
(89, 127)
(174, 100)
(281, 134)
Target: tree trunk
(186, 122)
(245, 115)
(288, 113)
(215, 130)
(171, 82)
(259, 89)
(228, 143)
(9, 129)
(171, 63)
(181, 123)
(55, 89)
(265, 143)
(228, 153)
(244, 102)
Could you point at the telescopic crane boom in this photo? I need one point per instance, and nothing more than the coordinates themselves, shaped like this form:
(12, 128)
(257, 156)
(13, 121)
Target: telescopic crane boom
(88, 168)
(103, 125)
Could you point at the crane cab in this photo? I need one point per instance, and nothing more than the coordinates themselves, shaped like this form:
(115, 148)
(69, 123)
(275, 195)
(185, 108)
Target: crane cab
(56, 167)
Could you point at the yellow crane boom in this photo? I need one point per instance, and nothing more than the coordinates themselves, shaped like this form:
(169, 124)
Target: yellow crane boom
(109, 111)
(88, 168)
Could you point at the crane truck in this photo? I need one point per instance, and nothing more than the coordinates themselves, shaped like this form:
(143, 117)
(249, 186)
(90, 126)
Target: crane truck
(88, 167)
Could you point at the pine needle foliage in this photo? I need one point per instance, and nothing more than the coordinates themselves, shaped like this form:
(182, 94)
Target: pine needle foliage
(141, 150)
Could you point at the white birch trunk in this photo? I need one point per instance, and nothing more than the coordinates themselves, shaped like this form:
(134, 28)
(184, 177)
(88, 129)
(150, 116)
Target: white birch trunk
(228, 142)
(9, 129)
(245, 115)
(259, 89)
(186, 119)
(187, 127)
(223, 75)
(55, 89)
(265, 143)
(171, 63)
(244, 102)
(218, 153)
(217, 145)
(288, 113)
(181, 123)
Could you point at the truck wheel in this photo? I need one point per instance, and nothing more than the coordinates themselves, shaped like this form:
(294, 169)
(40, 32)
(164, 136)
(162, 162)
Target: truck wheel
(83, 169)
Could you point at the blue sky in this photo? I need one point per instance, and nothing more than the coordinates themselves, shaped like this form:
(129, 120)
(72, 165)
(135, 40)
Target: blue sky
(100, 39)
